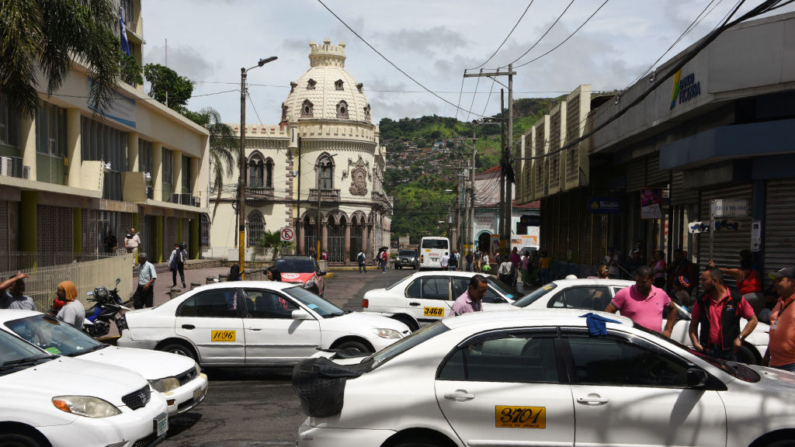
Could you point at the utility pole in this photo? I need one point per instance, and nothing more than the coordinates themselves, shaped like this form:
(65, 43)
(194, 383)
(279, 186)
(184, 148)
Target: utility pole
(501, 227)
(509, 164)
(298, 202)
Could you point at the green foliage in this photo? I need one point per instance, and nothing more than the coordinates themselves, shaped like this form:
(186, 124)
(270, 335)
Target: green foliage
(419, 206)
(47, 34)
(273, 239)
(166, 83)
(131, 72)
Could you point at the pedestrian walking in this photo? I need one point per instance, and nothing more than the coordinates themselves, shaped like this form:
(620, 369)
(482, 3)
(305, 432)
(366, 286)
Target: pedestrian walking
(644, 304)
(176, 263)
(12, 293)
(478, 259)
(505, 272)
(445, 261)
(273, 274)
(781, 349)
(484, 262)
(515, 258)
(361, 258)
(613, 260)
(470, 258)
(658, 267)
(72, 312)
(144, 294)
(471, 300)
(452, 263)
(718, 312)
(384, 260)
(525, 263)
(545, 267)
(111, 244)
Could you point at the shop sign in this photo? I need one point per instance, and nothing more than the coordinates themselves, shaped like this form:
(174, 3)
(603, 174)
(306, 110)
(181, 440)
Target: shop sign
(651, 203)
(604, 205)
(720, 225)
(729, 208)
(756, 236)
(684, 88)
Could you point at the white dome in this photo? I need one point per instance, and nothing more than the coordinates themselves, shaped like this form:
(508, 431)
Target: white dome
(332, 94)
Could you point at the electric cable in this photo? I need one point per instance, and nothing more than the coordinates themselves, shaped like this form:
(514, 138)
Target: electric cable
(506, 37)
(542, 36)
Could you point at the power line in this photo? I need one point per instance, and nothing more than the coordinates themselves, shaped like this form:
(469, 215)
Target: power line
(544, 35)
(506, 37)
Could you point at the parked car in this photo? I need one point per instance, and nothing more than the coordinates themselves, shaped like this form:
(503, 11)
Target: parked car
(425, 297)
(596, 294)
(48, 400)
(407, 258)
(179, 379)
(541, 378)
(302, 270)
(271, 324)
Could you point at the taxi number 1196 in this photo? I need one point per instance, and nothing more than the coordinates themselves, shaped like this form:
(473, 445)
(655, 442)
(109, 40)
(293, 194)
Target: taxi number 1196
(433, 312)
(520, 417)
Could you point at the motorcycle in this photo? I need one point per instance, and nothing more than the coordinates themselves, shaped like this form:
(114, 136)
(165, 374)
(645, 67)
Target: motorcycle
(108, 305)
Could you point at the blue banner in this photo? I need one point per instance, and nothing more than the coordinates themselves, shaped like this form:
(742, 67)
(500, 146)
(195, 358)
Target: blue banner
(604, 205)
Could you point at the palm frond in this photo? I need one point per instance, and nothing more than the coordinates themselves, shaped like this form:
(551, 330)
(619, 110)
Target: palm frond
(20, 36)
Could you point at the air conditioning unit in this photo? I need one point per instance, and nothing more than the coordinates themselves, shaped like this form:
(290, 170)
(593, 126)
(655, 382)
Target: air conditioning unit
(197, 201)
(182, 199)
(12, 167)
(26, 172)
(150, 192)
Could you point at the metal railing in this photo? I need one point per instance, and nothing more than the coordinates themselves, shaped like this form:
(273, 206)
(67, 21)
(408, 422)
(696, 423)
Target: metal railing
(326, 194)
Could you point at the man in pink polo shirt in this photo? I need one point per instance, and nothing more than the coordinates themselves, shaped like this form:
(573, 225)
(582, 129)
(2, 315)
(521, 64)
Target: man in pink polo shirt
(644, 304)
(470, 301)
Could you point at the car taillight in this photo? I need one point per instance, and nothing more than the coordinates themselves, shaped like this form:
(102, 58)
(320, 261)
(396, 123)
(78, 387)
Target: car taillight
(365, 303)
(422, 259)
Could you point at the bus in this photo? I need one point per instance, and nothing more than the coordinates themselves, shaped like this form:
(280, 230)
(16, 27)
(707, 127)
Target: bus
(431, 251)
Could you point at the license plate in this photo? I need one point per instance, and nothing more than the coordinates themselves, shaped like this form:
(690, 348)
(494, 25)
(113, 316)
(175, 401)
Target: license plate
(223, 335)
(520, 417)
(433, 312)
(434, 259)
(197, 394)
(161, 424)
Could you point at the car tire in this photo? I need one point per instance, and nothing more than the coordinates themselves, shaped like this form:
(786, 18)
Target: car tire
(179, 349)
(18, 440)
(413, 326)
(418, 444)
(782, 443)
(353, 344)
(746, 355)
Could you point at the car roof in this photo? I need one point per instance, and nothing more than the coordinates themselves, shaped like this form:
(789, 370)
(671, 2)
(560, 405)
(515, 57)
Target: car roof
(268, 285)
(8, 314)
(540, 318)
(445, 273)
(308, 258)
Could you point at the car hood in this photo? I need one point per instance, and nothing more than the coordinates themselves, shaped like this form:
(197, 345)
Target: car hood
(152, 365)
(774, 380)
(75, 377)
(360, 319)
(297, 277)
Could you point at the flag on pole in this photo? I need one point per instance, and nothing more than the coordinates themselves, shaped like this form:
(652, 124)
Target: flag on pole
(125, 46)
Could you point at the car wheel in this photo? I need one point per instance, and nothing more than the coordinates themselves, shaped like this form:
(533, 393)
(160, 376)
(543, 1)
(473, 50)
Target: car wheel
(408, 322)
(782, 443)
(354, 345)
(745, 355)
(16, 440)
(179, 349)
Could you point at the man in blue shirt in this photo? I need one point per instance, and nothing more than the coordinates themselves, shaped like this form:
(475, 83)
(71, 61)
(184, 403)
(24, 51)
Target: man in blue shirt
(12, 293)
(144, 295)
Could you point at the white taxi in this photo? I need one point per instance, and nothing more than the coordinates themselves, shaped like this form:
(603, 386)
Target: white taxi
(255, 323)
(178, 378)
(58, 401)
(596, 294)
(541, 378)
(426, 297)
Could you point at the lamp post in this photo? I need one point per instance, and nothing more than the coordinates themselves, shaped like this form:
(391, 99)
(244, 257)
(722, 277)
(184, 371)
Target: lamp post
(318, 239)
(242, 181)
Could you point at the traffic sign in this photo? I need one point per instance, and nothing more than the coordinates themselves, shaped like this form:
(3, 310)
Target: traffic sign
(288, 234)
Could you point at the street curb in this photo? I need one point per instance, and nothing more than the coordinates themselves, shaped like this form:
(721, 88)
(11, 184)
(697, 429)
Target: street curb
(329, 275)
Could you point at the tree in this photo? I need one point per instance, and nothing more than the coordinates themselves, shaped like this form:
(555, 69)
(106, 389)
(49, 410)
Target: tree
(224, 147)
(49, 34)
(273, 239)
(130, 70)
(168, 87)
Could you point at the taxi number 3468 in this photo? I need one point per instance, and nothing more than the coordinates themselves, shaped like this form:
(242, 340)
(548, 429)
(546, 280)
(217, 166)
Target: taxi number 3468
(433, 312)
(520, 417)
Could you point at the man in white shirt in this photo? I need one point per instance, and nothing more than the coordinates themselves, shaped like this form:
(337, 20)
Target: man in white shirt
(445, 261)
(361, 258)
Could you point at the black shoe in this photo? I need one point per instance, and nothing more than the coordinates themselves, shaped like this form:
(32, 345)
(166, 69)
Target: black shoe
(184, 286)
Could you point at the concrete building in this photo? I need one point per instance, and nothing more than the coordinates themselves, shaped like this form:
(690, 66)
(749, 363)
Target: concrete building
(70, 177)
(718, 130)
(321, 164)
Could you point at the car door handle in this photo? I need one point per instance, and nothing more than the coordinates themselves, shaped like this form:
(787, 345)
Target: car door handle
(414, 304)
(255, 329)
(459, 396)
(592, 399)
(188, 326)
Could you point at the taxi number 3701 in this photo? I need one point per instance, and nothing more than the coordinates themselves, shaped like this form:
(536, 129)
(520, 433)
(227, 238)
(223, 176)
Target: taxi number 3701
(520, 417)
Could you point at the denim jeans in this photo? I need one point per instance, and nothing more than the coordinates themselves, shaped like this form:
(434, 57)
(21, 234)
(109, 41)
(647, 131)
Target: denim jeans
(790, 367)
(728, 355)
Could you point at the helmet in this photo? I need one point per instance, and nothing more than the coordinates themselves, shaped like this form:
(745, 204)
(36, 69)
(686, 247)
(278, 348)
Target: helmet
(486, 269)
(101, 293)
(183, 246)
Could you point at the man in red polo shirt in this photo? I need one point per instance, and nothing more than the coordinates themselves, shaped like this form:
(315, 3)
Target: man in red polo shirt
(644, 304)
(718, 312)
(781, 350)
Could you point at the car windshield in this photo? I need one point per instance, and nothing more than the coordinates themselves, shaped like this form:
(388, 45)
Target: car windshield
(291, 265)
(404, 344)
(16, 354)
(504, 289)
(54, 336)
(734, 369)
(314, 302)
(535, 295)
(435, 243)
(407, 253)
(392, 286)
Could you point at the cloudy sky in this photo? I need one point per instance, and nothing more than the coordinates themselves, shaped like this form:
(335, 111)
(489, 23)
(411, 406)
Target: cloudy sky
(431, 40)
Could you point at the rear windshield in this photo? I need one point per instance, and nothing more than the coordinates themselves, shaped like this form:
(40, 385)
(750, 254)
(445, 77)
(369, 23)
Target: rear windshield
(289, 265)
(535, 295)
(440, 244)
(404, 344)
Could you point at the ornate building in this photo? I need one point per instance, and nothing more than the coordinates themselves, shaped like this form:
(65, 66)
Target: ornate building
(323, 162)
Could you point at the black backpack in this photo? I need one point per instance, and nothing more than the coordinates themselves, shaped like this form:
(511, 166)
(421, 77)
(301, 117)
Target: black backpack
(360, 258)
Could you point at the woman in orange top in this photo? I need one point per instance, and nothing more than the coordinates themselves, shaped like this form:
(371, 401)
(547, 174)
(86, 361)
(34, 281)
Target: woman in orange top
(748, 280)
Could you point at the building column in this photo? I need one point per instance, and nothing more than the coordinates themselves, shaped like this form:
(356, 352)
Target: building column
(347, 255)
(193, 253)
(194, 177)
(27, 231)
(77, 230)
(157, 166)
(27, 142)
(371, 241)
(73, 147)
(157, 256)
(132, 151)
(324, 241)
(176, 164)
(300, 227)
(363, 248)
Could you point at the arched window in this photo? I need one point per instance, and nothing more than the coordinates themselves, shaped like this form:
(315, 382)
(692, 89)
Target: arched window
(307, 109)
(256, 171)
(342, 110)
(338, 85)
(256, 228)
(311, 84)
(325, 172)
(269, 173)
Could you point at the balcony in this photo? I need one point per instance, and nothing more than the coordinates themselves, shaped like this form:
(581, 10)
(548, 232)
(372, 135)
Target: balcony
(327, 195)
(258, 196)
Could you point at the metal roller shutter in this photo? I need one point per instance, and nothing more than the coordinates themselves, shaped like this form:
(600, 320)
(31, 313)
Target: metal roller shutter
(654, 176)
(727, 243)
(636, 175)
(680, 195)
(563, 219)
(576, 225)
(587, 233)
(779, 241)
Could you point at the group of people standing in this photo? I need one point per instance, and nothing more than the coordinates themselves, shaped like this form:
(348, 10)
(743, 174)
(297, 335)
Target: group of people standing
(66, 307)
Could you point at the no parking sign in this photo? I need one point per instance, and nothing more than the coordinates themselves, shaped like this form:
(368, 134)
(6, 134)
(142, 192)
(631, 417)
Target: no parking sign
(288, 234)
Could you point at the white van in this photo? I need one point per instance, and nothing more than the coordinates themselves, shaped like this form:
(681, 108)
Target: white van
(431, 251)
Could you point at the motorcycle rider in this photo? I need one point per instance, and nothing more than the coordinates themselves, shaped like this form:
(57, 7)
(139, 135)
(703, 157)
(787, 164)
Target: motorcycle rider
(73, 312)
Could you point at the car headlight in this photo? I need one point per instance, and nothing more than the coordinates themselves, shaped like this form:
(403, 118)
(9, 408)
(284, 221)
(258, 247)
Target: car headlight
(387, 333)
(412, 259)
(91, 407)
(164, 385)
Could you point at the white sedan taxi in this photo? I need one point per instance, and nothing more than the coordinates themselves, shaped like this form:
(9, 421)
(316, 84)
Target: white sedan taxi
(57, 401)
(542, 378)
(596, 294)
(426, 297)
(178, 378)
(255, 323)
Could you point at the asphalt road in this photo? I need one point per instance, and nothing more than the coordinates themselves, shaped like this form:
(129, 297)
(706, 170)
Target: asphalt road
(257, 407)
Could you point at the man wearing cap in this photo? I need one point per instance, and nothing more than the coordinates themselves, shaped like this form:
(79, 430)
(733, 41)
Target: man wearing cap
(718, 313)
(781, 348)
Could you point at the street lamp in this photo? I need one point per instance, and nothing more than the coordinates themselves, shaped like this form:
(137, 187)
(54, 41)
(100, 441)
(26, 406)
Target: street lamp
(242, 181)
(318, 237)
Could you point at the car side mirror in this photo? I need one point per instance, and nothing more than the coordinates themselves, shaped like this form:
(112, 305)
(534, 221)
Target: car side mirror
(301, 315)
(322, 273)
(696, 378)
